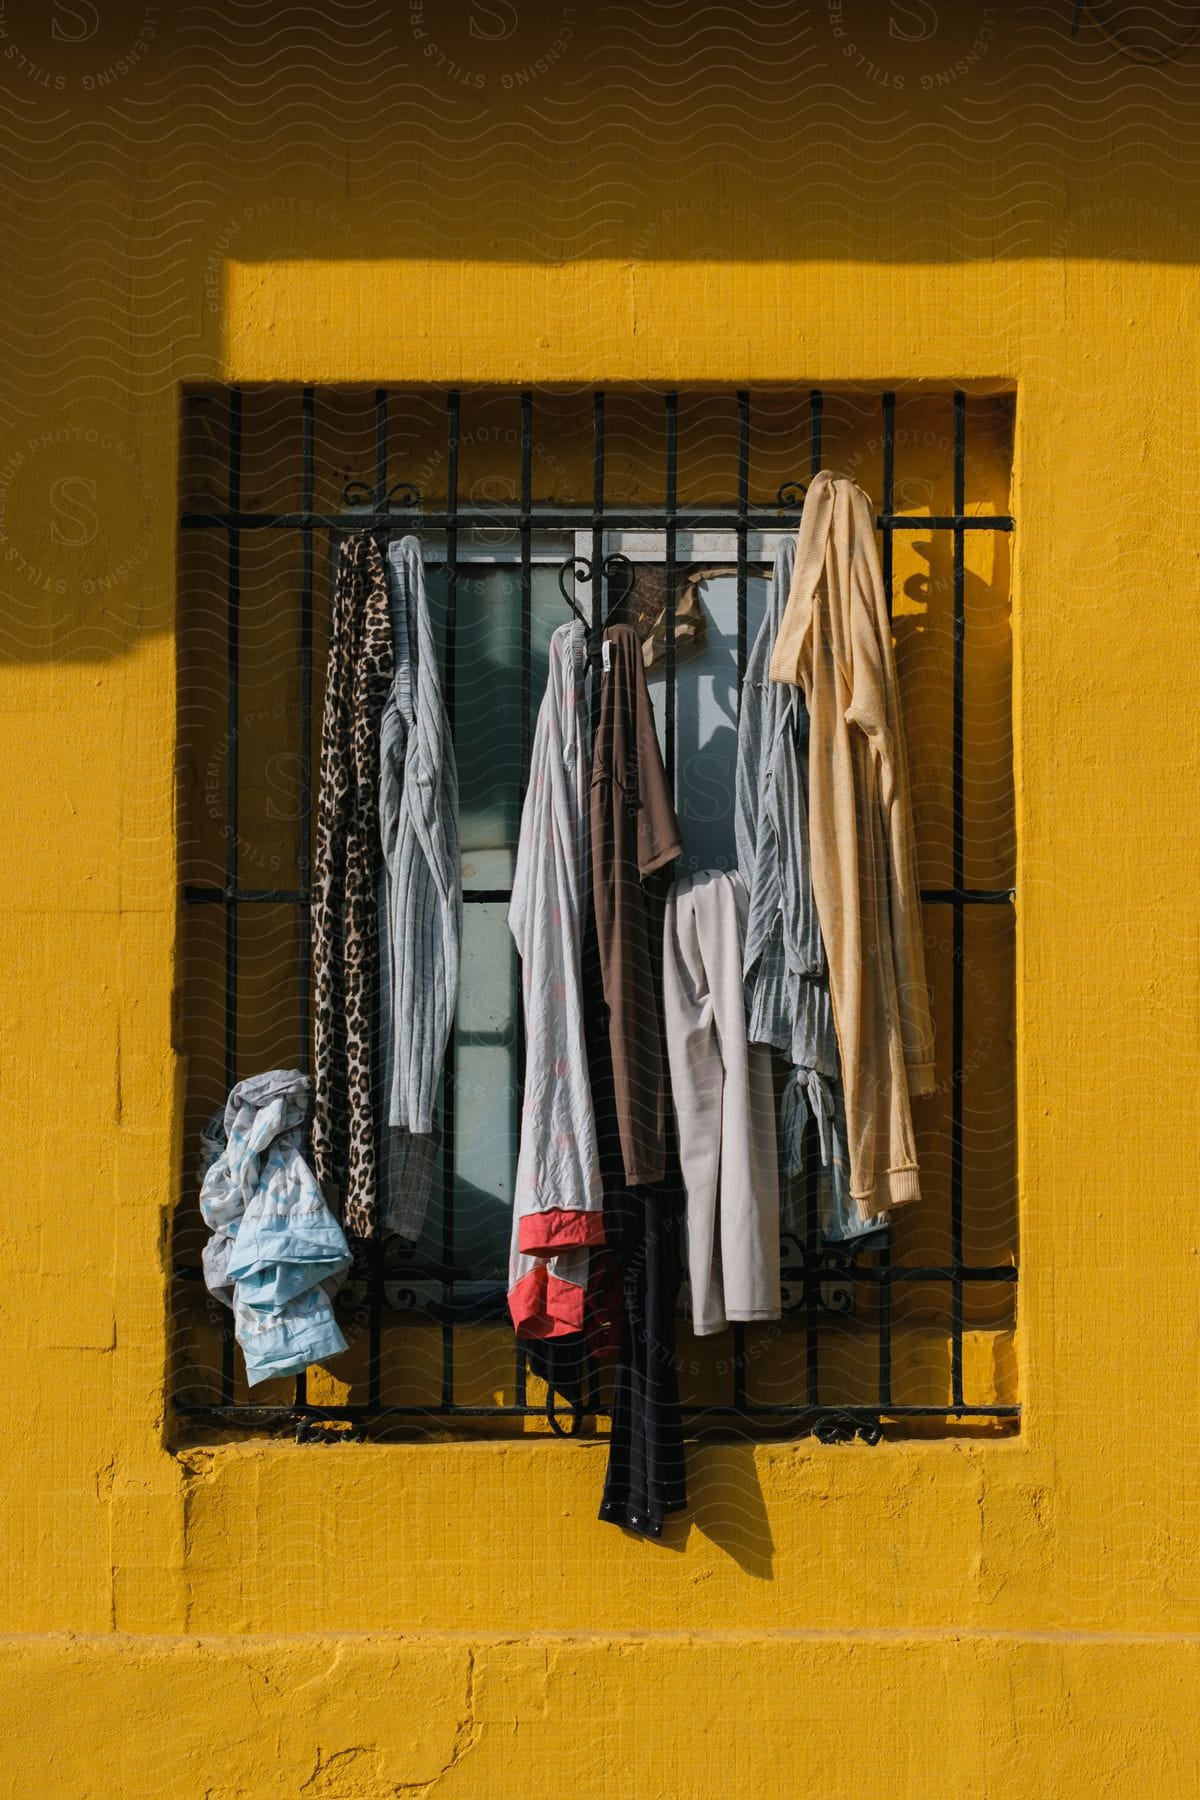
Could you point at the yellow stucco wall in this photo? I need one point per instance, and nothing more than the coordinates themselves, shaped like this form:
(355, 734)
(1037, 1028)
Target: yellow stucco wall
(662, 193)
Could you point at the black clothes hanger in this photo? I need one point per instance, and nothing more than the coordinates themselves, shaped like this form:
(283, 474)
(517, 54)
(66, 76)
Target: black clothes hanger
(615, 569)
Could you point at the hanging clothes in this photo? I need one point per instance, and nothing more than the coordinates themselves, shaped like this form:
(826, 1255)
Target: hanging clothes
(724, 1096)
(345, 945)
(569, 1361)
(644, 606)
(835, 642)
(646, 1478)
(277, 1253)
(635, 835)
(787, 985)
(559, 1197)
(421, 937)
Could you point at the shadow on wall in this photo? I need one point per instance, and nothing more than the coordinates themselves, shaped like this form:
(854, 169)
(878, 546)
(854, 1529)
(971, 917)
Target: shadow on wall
(896, 132)
(726, 1505)
(545, 133)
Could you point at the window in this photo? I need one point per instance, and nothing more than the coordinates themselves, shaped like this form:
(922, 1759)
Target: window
(520, 498)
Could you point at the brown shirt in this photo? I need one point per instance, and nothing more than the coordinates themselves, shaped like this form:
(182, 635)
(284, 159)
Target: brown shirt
(634, 833)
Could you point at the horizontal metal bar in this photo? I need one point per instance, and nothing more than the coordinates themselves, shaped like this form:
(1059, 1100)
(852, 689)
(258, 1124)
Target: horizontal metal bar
(243, 1415)
(1002, 1272)
(944, 522)
(487, 896)
(823, 1272)
(399, 1271)
(508, 519)
(952, 896)
(196, 895)
(216, 896)
(866, 1413)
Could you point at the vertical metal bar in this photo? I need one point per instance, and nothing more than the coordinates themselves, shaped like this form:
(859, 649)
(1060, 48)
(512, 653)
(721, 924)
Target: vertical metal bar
(375, 1253)
(812, 1187)
(519, 1383)
(375, 1291)
(597, 508)
(233, 587)
(743, 503)
(739, 1367)
(233, 603)
(743, 500)
(888, 496)
(449, 686)
(885, 1253)
(597, 620)
(450, 692)
(597, 556)
(957, 879)
(671, 403)
(381, 449)
(526, 584)
(812, 1263)
(303, 847)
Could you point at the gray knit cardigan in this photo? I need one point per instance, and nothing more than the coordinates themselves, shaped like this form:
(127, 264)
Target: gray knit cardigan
(421, 931)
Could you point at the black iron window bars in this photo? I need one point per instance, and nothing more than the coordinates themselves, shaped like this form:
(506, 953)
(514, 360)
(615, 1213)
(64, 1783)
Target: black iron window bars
(817, 1277)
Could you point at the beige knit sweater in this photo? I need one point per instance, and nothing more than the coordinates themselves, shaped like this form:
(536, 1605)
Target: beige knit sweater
(835, 641)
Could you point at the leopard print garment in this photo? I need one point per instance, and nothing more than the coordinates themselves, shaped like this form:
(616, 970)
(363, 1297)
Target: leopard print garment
(345, 943)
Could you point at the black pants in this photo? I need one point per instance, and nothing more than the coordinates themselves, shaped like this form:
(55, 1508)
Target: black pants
(646, 1477)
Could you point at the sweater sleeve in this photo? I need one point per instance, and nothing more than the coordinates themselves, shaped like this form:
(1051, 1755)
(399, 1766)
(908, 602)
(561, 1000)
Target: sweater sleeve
(875, 708)
(792, 655)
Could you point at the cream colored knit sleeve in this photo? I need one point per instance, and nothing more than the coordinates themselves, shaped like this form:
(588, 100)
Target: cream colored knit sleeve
(875, 708)
(792, 654)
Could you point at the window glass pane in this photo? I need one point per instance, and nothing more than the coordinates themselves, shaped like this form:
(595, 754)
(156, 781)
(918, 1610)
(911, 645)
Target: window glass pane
(706, 710)
(487, 701)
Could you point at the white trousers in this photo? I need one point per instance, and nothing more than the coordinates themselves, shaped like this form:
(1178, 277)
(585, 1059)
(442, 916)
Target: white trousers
(724, 1106)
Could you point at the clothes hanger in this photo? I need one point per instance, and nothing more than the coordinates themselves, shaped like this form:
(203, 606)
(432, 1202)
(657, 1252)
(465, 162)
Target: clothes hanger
(614, 568)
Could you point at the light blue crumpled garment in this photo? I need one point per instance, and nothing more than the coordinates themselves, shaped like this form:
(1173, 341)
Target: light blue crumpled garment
(277, 1253)
(811, 1095)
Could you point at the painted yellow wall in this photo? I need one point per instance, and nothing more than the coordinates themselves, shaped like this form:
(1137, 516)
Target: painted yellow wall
(843, 193)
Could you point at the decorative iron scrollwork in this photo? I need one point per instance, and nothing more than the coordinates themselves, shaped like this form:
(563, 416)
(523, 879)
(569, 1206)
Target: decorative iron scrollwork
(618, 568)
(400, 1296)
(324, 1431)
(790, 493)
(614, 568)
(826, 1275)
(835, 1427)
(580, 569)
